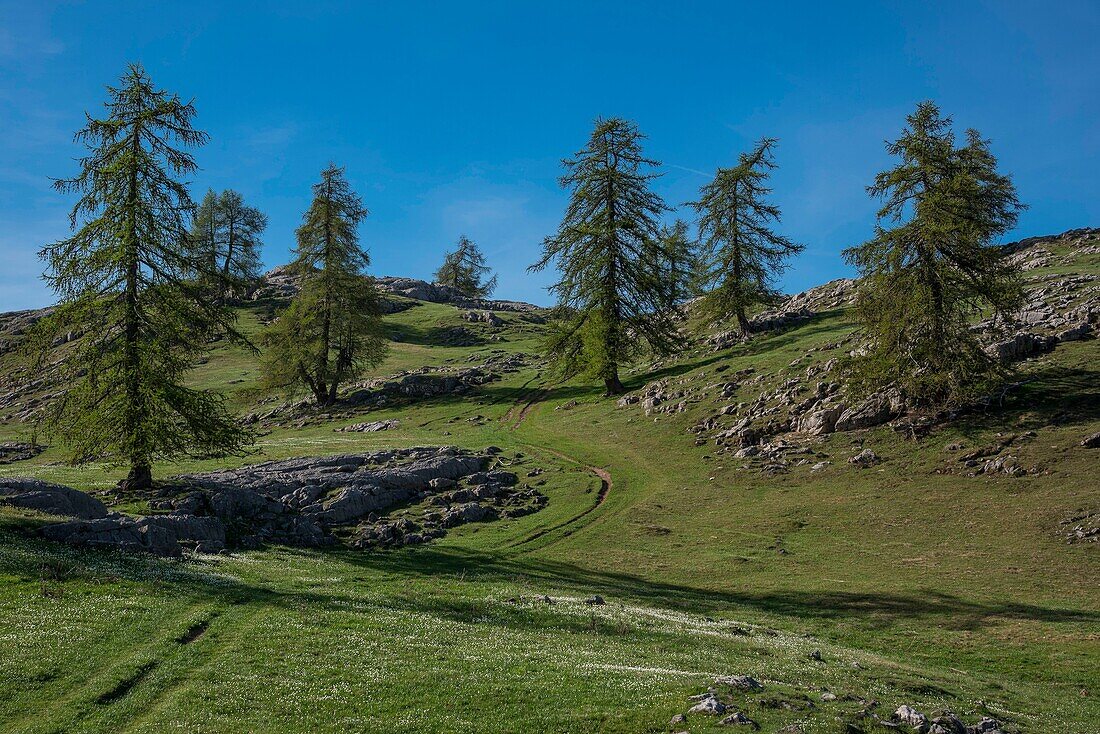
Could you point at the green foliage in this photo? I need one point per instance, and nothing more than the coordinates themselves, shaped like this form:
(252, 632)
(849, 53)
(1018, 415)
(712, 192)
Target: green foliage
(932, 264)
(465, 271)
(332, 330)
(225, 237)
(683, 260)
(741, 255)
(124, 280)
(616, 292)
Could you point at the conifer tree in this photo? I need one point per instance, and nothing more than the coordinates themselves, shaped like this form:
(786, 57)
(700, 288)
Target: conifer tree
(933, 264)
(683, 261)
(615, 298)
(332, 330)
(465, 271)
(742, 254)
(225, 238)
(125, 282)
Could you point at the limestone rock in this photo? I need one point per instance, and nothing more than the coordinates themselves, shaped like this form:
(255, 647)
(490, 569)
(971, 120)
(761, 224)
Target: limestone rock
(710, 706)
(52, 499)
(865, 458)
(739, 719)
(740, 682)
(821, 421)
(13, 451)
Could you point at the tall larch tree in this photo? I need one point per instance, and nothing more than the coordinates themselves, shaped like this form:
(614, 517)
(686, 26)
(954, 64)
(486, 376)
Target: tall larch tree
(465, 271)
(226, 239)
(125, 283)
(614, 291)
(742, 254)
(332, 331)
(933, 263)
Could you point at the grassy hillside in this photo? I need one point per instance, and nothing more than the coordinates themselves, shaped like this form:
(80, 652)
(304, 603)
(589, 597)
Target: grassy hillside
(916, 582)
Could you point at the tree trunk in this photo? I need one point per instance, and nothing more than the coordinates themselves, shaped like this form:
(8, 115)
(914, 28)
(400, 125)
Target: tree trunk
(330, 399)
(228, 264)
(139, 479)
(613, 385)
(743, 322)
(140, 476)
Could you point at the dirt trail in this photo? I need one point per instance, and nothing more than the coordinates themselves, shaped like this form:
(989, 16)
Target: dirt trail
(518, 412)
(606, 483)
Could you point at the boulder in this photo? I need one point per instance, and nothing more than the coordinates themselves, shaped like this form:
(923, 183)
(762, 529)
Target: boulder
(13, 451)
(875, 410)
(822, 420)
(163, 535)
(912, 718)
(344, 506)
(1021, 346)
(739, 719)
(947, 723)
(740, 682)
(1076, 333)
(466, 513)
(710, 706)
(52, 499)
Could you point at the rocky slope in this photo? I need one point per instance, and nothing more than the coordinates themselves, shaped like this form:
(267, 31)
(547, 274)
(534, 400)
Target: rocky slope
(387, 498)
(771, 419)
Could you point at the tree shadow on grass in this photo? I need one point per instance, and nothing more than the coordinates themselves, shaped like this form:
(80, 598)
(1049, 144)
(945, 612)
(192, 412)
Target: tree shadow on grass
(200, 579)
(885, 606)
(1053, 395)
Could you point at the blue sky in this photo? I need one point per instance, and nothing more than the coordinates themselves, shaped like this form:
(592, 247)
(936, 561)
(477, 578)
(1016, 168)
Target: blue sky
(452, 118)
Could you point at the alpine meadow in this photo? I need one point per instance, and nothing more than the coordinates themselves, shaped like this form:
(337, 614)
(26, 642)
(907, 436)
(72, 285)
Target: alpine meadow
(617, 368)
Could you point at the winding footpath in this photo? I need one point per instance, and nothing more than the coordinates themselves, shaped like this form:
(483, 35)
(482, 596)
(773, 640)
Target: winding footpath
(606, 482)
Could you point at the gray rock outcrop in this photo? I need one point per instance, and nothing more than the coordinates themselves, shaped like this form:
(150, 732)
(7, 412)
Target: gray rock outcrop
(52, 499)
(310, 502)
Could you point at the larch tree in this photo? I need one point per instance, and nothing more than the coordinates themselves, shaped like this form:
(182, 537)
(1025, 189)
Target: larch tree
(465, 271)
(682, 260)
(332, 330)
(226, 239)
(933, 264)
(616, 299)
(741, 253)
(125, 284)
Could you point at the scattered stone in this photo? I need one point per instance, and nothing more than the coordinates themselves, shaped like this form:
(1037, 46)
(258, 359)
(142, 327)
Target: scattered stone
(1092, 442)
(710, 706)
(677, 720)
(827, 696)
(13, 451)
(595, 601)
(486, 317)
(1081, 527)
(947, 723)
(875, 410)
(912, 718)
(985, 726)
(864, 459)
(816, 655)
(369, 427)
(740, 682)
(739, 719)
